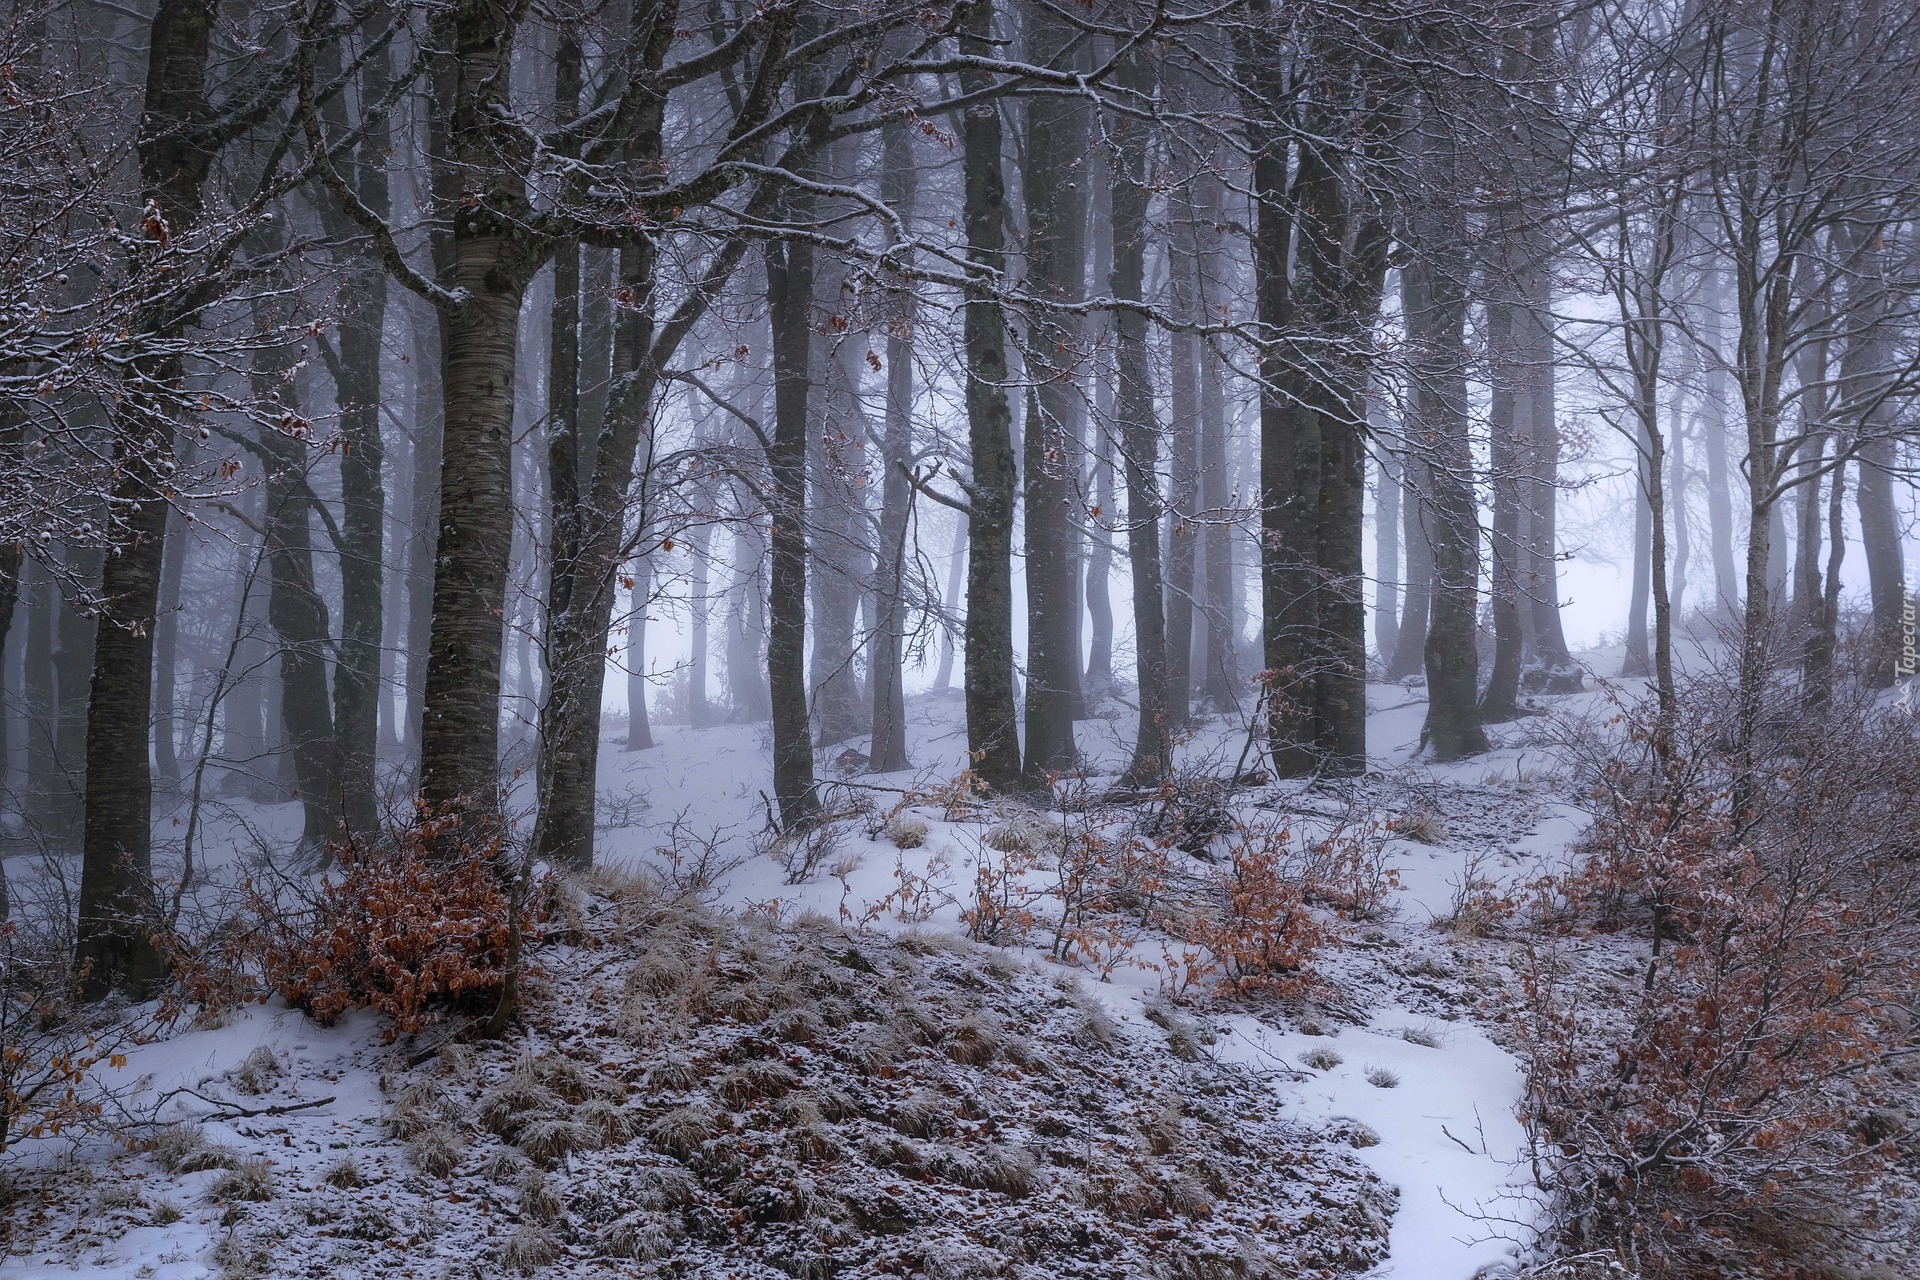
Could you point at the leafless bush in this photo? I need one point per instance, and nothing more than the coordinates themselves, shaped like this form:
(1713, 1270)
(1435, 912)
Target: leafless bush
(691, 862)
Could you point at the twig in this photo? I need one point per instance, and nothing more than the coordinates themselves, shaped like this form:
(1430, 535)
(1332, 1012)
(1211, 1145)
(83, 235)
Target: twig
(231, 1112)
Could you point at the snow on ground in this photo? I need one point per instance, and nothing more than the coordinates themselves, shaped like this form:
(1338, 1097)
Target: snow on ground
(1407, 1051)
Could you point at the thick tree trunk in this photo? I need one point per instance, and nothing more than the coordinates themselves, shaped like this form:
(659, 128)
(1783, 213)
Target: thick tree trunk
(362, 553)
(1289, 448)
(429, 410)
(1435, 305)
(299, 619)
(460, 721)
(166, 658)
(993, 738)
(1054, 185)
(1886, 572)
(790, 297)
(112, 947)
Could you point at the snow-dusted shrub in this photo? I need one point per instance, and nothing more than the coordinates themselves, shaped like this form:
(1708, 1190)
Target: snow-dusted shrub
(1478, 903)
(1706, 1118)
(405, 931)
(1262, 929)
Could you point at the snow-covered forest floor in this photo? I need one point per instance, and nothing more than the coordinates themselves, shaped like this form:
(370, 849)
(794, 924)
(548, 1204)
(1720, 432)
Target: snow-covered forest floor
(806, 1068)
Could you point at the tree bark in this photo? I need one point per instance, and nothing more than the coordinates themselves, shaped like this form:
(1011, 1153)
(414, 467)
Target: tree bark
(1220, 681)
(362, 553)
(1435, 304)
(639, 726)
(887, 751)
(1054, 183)
(993, 739)
(790, 298)
(113, 947)
(1416, 535)
(1128, 179)
(1506, 459)
(1386, 525)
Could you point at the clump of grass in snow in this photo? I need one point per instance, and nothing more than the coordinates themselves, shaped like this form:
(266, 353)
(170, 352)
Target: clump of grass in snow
(1382, 1078)
(248, 1179)
(1322, 1059)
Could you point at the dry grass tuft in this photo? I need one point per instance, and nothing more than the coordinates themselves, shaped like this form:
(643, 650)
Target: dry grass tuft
(435, 1151)
(530, 1249)
(250, 1178)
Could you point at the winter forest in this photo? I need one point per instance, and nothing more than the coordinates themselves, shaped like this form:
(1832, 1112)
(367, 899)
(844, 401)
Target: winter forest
(1182, 639)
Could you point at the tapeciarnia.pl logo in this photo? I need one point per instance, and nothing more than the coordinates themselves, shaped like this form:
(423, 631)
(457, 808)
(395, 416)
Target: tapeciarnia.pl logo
(1903, 667)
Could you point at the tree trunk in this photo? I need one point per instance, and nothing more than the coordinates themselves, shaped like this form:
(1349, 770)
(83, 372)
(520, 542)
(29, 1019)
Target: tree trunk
(639, 727)
(1220, 681)
(166, 658)
(790, 298)
(1386, 527)
(747, 691)
(950, 601)
(1636, 664)
(429, 423)
(1677, 499)
(1099, 677)
(699, 609)
(1128, 179)
(112, 947)
(993, 739)
(1506, 458)
(460, 720)
(1416, 529)
(362, 553)
(887, 752)
(1054, 185)
(1713, 441)
(1183, 477)
(1435, 304)
(841, 563)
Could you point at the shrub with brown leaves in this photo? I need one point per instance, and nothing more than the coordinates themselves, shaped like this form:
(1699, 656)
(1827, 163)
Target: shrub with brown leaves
(1705, 1116)
(403, 932)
